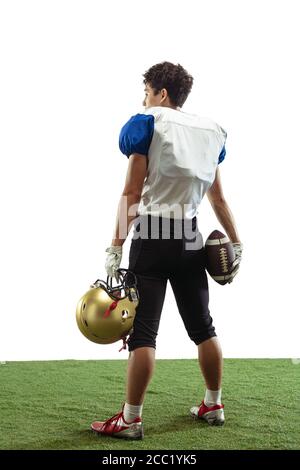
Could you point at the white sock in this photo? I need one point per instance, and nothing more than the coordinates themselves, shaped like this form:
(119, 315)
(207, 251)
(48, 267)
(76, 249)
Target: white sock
(212, 397)
(130, 412)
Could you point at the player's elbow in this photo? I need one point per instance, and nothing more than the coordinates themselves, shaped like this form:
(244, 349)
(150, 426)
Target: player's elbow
(132, 193)
(220, 201)
(216, 200)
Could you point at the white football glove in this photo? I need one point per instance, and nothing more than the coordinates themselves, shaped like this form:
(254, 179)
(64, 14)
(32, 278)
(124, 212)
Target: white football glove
(113, 261)
(238, 250)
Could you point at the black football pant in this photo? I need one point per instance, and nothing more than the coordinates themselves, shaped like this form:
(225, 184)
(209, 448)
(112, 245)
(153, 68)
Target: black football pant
(169, 252)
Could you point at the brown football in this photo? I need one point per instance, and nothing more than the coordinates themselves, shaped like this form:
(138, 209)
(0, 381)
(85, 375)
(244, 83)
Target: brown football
(219, 255)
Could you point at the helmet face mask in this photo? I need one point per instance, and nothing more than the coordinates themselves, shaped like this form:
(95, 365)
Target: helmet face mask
(105, 314)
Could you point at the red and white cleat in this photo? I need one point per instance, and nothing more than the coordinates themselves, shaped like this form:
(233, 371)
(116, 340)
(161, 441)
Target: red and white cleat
(213, 415)
(116, 426)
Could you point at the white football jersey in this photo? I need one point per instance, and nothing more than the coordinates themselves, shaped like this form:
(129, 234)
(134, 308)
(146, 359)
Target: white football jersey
(183, 152)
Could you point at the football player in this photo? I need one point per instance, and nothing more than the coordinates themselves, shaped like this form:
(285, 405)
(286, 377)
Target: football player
(173, 161)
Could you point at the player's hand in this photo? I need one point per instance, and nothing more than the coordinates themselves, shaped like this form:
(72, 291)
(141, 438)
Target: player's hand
(113, 261)
(238, 250)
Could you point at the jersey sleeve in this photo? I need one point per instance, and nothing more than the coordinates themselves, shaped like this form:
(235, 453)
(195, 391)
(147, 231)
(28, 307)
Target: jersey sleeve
(222, 155)
(136, 135)
(223, 151)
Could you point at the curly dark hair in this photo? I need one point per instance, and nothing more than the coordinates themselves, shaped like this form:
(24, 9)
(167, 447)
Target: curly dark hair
(174, 78)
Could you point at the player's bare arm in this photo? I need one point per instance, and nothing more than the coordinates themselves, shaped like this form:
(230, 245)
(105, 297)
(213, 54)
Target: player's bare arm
(223, 213)
(130, 198)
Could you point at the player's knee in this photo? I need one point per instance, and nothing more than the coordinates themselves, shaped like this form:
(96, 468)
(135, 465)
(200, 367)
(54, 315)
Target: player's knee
(203, 336)
(133, 345)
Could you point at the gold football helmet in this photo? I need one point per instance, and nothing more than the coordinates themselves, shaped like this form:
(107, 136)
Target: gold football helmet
(105, 314)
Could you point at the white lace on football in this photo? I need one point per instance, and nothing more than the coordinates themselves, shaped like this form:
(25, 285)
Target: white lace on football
(224, 260)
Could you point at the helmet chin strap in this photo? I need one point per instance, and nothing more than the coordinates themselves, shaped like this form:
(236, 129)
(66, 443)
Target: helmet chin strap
(125, 340)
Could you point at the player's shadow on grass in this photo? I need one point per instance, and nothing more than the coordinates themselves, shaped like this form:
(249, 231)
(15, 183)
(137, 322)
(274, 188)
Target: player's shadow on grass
(175, 423)
(78, 439)
(85, 438)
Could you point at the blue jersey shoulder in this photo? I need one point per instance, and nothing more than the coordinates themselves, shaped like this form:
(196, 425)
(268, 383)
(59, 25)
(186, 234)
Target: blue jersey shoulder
(222, 155)
(136, 135)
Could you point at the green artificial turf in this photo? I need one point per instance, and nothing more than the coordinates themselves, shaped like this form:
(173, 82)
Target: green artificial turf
(50, 405)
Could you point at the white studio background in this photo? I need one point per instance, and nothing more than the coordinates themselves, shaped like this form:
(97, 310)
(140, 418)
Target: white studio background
(71, 76)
